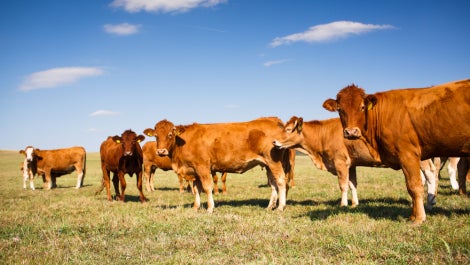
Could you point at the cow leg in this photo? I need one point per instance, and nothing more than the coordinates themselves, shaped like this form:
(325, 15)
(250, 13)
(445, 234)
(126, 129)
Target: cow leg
(79, 179)
(215, 178)
(280, 180)
(147, 177)
(224, 185)
(105, 183)
(180, 180)
(414, 185)
(343, 181)
(48, 182)
(353, 186)
(139, 186)
(31, 180)
(463, 168)
(122, 179)
(207, 187)
(452, 170)
(150, 180)
(116, 185)
(274, 190)
(197, 187)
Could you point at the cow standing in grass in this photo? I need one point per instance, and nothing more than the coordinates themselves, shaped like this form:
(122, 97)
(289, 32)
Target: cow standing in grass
(153, 161)
(199, 150)
(402, 126)
(121, 155)
(52, 164)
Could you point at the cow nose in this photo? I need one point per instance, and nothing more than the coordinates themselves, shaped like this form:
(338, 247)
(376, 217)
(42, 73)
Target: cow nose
(352, 133)
(277, 144)
(128, 153)
(162, 152)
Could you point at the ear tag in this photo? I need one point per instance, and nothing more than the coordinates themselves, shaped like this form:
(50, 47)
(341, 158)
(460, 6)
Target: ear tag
(370, 106)
(118, 141)
(138, 141)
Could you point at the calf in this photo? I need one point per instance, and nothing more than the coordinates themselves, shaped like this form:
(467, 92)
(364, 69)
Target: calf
(121, 155)
(153, 161)
(323, 142)
(54, 163)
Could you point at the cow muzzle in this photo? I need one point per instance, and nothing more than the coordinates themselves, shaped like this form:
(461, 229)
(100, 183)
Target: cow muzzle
(129, 153)
(162, 152)
(278, 144)
(352, 133)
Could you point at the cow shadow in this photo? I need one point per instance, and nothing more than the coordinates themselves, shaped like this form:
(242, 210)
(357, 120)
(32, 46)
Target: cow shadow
(379, 209)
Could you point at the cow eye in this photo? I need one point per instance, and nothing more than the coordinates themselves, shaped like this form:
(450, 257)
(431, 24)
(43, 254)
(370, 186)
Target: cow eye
(170, 135)
(363, 108)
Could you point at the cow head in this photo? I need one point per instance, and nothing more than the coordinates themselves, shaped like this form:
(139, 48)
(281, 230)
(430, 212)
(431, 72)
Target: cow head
(165, 134)
(352, 104)
(29, 153)
(129, 141)
(292, 134)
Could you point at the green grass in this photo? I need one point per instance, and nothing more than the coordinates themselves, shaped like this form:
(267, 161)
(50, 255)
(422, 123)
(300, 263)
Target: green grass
(68, 226)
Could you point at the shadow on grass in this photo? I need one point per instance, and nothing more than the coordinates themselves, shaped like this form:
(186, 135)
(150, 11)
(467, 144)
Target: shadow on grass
(382, 208)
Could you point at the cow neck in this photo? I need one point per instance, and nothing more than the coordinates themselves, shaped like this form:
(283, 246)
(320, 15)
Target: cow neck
(312, 135)
(372, 127)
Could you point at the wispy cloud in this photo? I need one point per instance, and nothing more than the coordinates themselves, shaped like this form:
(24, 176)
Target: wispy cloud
(271, 63)
(57, 77)
(104, 113)
(328, 32)
(163, 6)
(123, 29)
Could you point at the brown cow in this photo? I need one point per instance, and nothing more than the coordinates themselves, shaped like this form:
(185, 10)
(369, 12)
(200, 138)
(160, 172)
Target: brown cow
(401, 126)
(324, 143)
(153, 161)
(121, 155)
(52, 164)
(199, 150)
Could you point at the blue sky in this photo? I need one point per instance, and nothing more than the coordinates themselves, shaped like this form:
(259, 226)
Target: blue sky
(75, 72)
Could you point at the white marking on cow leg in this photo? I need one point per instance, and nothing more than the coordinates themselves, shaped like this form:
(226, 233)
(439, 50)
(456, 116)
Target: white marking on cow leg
(428, 178)
(197, 197)
(282, 192)
(79, 180)
(452, 170)
(344, 198)
(355, 198)
(273, 199)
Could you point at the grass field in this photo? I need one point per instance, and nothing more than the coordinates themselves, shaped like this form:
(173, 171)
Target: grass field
(69, 226)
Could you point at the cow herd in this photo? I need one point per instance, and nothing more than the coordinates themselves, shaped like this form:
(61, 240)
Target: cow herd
(401, 129)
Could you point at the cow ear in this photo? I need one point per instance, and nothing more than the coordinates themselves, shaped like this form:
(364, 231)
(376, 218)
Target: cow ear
(300, 124)
(178, 130)
(22, 152)
(330, 105)
(149, 132)
(117, 139)
(140, 138)
(370, 101)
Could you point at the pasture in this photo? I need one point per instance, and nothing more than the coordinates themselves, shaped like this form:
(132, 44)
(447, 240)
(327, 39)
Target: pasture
(69, 226)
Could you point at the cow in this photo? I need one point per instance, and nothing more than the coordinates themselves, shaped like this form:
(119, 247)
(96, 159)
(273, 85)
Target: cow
(153, 161)
(323, 142)
(199, 150)
(28, 174)
(401, 126)
(52, 164)
(121, 155)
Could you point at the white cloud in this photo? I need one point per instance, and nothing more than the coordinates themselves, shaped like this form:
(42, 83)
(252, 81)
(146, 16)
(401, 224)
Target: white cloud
(122, 29)
(103, 113)
(270, 63)
(164, 6)
(327, 32)
(58, 76)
